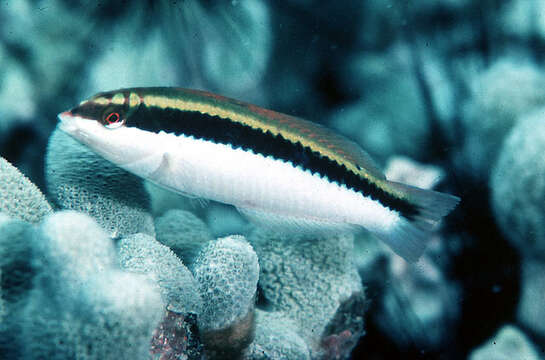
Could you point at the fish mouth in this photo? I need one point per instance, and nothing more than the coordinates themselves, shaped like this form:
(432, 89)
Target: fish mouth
(70, 124)
(94, 136)
(65, 116)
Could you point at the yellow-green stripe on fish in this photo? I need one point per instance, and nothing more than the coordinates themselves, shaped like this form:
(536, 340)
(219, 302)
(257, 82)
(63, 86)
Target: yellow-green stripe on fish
(279, 170)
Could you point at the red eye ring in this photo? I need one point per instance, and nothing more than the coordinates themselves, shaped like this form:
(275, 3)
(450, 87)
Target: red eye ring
(116, 120)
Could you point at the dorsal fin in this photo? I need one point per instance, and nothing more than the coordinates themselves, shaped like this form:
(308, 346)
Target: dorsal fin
(353, 152)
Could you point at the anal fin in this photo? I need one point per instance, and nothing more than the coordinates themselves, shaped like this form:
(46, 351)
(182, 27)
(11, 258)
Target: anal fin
(287, 224)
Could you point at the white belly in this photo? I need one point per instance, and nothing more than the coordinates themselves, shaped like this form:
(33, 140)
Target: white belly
(252, 181)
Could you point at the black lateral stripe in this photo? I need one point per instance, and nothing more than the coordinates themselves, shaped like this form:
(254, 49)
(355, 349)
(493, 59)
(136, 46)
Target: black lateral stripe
(223, 131)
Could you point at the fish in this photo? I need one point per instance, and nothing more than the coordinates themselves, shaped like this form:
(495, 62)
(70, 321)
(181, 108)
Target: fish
(280, 171)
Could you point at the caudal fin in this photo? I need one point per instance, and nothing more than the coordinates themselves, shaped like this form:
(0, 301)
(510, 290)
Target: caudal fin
(409, 237)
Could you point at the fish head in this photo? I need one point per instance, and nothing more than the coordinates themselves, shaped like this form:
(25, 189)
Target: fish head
(105, 124)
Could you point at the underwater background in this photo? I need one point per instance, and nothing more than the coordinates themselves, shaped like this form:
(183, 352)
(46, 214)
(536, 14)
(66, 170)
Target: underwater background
(450, 95)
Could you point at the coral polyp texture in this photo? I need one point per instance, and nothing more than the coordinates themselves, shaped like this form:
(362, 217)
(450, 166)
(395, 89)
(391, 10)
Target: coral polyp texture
(143, 254)
(183, 232)
(81, 304)
(97, 263)
(276, 338)
(78, 179)
(16, 274)
(518, 186)
(86, 283)
(227, 271)
(19, 197)
(309, 280)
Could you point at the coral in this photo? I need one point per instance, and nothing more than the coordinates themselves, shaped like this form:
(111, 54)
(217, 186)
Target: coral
(183, 232)
(15, 254)
(426, 293)
(419, 304)
(307, 279)
(518, 186)
(275, 338)
(343, 332)
(451, 83)
(500, 95)
(82, 305)
(78, 179)
(227, 271)
(73, 246)
(508, 343)
(19, 197)
(405, 170)
(531, 311)
(16, 274)
(141, 253)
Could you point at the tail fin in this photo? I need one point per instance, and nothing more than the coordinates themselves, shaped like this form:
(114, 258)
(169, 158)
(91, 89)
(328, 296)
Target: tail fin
(409, 237)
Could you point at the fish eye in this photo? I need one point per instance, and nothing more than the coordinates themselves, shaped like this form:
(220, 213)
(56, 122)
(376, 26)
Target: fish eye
(113, 119)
